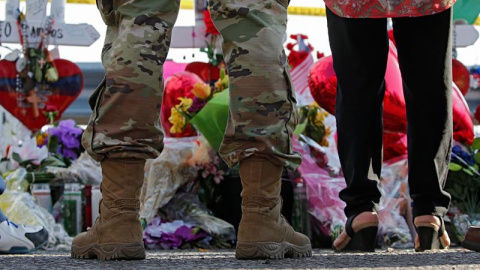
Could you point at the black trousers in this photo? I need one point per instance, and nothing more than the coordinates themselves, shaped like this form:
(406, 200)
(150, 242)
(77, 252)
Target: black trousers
(360, 51)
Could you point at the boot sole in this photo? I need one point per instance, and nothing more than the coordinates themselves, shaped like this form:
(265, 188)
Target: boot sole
(109, 252)
(257, 251)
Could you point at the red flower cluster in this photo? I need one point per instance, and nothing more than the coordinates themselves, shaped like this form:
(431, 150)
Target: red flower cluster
(210, 27)
(295, 58)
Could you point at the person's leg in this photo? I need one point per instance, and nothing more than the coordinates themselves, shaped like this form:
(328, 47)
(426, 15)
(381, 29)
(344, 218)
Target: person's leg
(261, 121)
(424, 51)
(125, 122)
(124, 128)
(263, 113)
(359, 51)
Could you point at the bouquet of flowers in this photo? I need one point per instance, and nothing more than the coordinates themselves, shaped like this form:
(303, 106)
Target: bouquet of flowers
(63, 139)
(463, 181)
(211, 170)
(207, 111)
(60, 145)
(160, 234)
(312, 127)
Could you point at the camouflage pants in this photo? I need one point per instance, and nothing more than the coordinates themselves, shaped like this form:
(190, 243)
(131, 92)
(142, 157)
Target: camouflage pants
(125, 120)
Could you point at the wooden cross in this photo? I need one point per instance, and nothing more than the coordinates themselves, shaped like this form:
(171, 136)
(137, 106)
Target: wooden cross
(34, 100)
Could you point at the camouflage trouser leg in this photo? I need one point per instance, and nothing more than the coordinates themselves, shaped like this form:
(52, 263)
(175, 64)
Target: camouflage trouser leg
(262, 105)
(126, 106)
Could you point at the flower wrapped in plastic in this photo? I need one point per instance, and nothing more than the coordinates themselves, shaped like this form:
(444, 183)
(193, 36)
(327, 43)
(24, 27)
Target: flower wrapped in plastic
(463, 180)
(394, 209)
(207, 111)
(323, 192)
(160, 234)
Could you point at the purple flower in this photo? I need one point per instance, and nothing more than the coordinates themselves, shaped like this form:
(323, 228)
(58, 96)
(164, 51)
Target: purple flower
(68, 153)
(170, 235)
(68, 136)
(168, 241)
(197, 105)
(70, 141)
(190, 234)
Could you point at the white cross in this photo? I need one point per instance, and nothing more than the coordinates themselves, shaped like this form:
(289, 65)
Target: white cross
(36, 18)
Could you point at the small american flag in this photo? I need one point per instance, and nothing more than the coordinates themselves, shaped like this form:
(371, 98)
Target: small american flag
(300, 74)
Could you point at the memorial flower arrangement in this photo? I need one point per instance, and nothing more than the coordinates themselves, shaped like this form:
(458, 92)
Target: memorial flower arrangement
(463, 181)
(34, 153)
(63, 139)
(211, 171)
(160, 234)
(182, 113)
(312, 125)
(207, 111)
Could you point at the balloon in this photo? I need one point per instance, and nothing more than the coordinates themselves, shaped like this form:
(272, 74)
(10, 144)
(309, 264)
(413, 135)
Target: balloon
(394, 145)
(461, 76)
(177, 85)
(57, 97)
(462, 121)
(323, 85)
(477, 114)
(171, 67)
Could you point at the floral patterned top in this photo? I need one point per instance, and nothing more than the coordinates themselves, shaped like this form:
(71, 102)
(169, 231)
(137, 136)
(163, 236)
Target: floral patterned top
(387, 8)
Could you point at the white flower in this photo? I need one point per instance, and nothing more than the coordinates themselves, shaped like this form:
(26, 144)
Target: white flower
(29, 151)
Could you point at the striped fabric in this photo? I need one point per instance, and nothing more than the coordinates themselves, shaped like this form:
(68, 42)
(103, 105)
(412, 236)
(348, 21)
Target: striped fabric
(299, 76)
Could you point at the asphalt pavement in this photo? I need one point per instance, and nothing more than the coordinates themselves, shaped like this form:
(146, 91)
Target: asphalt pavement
(457, 258)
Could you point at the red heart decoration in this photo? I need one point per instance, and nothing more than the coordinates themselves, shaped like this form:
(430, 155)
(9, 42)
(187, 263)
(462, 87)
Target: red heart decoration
(57, 96)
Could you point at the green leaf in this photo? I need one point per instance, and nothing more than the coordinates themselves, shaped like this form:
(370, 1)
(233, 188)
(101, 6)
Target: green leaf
(300, 128)
(17, 158)
(476, 143)
(454, 167)
(468, 171)
(476, 157)
(53, 161)
(222, 74)
(52, 144)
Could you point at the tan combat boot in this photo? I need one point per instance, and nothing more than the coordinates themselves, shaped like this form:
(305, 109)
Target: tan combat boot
(117, 233)
(263, 232)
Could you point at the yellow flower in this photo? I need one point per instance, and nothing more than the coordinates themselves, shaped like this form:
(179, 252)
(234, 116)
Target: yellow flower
(201, 90)
(177, 120)
(324, 141)
(185, 104)
(219, 85)
(41, 138)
